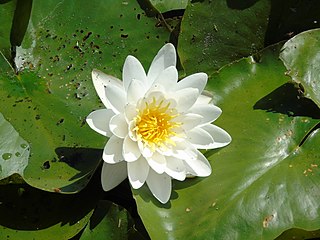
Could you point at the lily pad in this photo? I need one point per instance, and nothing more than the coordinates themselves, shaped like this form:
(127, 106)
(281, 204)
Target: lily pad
(49, 98)
(301, 56)
(169, 5)
(215, 33)
(267, 180)
(14, 151)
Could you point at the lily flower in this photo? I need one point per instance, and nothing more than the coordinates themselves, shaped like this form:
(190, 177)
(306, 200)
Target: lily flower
(155, 124)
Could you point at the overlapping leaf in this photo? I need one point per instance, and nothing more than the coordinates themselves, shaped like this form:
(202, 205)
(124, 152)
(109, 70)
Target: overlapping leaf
(14, 151)
(263, 183)
(168, 5)
(48, 100)
(301, 56)
(215, 33)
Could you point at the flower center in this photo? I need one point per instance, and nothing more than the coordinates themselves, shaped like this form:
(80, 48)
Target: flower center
(154, 125)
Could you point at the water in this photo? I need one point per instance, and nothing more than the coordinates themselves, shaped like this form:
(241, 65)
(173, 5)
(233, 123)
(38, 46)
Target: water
(6, 156)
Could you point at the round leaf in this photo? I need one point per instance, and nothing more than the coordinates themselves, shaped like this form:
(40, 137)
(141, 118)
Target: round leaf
(48, 100)
(265, 181)
(301, 56)
(14, 151)
(169, 5)
(215, 33)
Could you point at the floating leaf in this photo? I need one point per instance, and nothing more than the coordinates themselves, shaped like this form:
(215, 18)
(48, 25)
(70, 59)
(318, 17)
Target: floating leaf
(215, 33)
(265, 181)
(301, 56)
(14, 151)
(169, 5)
(48, 100)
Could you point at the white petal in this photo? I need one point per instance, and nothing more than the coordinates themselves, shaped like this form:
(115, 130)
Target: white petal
(130, 151)
(157, 162)
(221, 137)
(113, 174)
(119, 125)
(186, 98)
(112, 152)
(203, 99)
(132, 134)
(100, 81)
(100, 78)
(200, 138)
(159, 185)
(130, 111)
(209, 112)
(145, 151)
(99, 121)
(116, 98)
(132, 69)
(167, 77)
(200, 165)
(189, 170)
(136, 91)
(197, 80)
(175, 168)
(189, 120)
(184, 150)
(165, 58)
(138, 172)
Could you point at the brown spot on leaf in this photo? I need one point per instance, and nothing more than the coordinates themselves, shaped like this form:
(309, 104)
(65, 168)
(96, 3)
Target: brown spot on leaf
(267, 220)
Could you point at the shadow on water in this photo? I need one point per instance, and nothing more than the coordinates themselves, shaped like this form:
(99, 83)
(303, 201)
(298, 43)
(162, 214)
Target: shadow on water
(85, 160)
(26, 208)
(290, 17)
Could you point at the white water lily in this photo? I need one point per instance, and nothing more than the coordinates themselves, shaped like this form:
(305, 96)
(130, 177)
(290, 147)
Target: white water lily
(155, 124)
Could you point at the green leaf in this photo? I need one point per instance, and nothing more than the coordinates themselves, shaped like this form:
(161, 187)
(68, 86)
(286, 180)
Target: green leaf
(14, 151)
(60, 156)
(215, 33)
(265, 181)
(301, 56)
(169, 5)
(48, 100)
(110, 221)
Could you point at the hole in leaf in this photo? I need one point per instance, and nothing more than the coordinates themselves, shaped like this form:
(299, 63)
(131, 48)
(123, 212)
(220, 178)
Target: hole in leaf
(46, 165)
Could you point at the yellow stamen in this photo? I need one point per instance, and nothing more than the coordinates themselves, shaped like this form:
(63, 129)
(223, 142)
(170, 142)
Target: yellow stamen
(154, 124)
